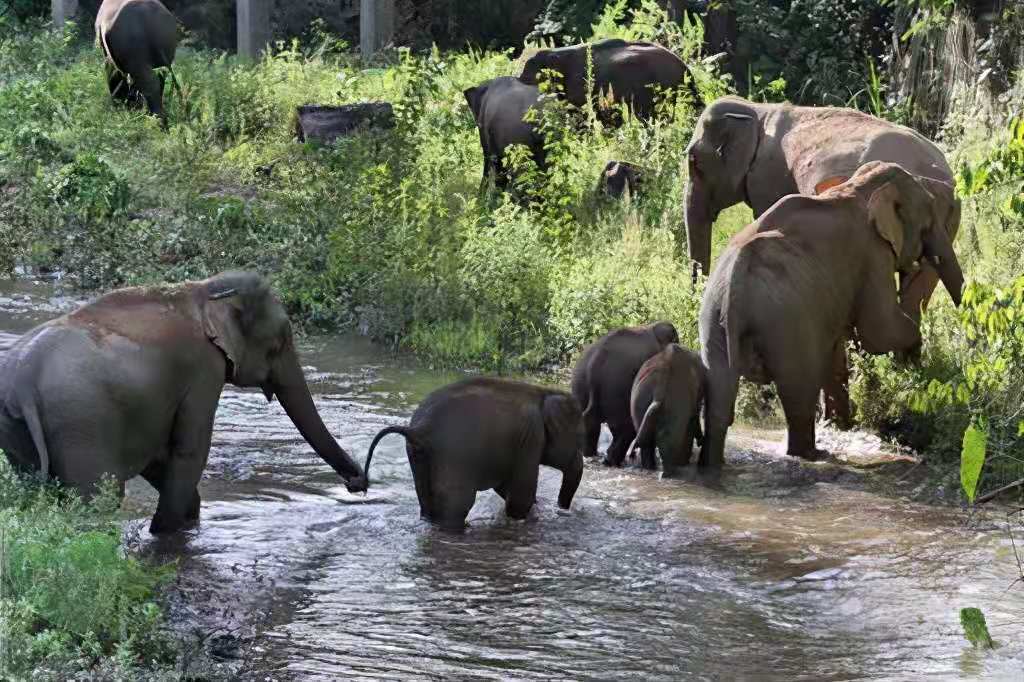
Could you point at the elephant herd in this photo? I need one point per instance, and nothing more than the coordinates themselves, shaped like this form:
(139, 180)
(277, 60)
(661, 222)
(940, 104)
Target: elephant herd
(855, 219)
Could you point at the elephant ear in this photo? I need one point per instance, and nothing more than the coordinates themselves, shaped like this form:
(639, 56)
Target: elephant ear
(887, 222)
(223, 327)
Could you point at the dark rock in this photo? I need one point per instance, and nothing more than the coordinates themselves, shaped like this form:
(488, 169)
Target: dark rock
(326, 123)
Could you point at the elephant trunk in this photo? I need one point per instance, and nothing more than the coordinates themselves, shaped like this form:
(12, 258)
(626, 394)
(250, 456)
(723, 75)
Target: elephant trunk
(938, 249)
(698, 225)
(293, 394)
(571, 477)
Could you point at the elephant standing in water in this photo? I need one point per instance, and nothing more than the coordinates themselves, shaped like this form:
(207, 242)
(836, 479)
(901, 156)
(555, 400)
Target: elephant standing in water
(602, 380)
(631, 71)
(498, 107)
(805, 274)
(128, 385)
(486, 433)
(665, 402)
(759, 153)
(137, 37)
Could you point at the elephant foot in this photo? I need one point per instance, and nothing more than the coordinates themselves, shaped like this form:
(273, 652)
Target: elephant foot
(163, 526)
(813, 455)
(609, 462)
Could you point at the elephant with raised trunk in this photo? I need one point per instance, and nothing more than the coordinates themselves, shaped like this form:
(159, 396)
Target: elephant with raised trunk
(603, 378)
(138, 37)
(631, 71)
(759, 153)
(665, 402)
(483, 433)
(808, 272)
(128, 385)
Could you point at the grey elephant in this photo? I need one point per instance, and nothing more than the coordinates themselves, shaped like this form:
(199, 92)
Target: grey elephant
(128, 385)
(499, 107)
(484, 433)
(759, 153)
(665, 403)
(137, 37)
(631, 71)
(603, 378)
(802, 276)
(620, 177)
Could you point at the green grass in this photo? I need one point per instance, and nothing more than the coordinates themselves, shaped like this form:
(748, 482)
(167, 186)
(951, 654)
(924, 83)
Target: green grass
(71, 600)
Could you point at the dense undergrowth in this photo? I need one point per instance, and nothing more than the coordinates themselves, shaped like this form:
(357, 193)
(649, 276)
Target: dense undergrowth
(387, 232)
(72, 602)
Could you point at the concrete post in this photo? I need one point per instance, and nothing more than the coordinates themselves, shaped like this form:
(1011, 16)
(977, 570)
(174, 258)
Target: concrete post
(253, 27)
(63, 11)
(376, 25)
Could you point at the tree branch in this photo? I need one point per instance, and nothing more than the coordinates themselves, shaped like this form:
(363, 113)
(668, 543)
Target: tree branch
(996, 493)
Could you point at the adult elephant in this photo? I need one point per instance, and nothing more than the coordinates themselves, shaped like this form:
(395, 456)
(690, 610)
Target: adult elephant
(759, 153)
(499, 107)
(800, 277)
(631, 71)
(128, 385)
(138, 37)
(603, 378)
(482, 433)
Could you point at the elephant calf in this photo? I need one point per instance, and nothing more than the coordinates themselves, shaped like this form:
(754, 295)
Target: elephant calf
(128, 385)
(603, 378)
(800, 277)
(498, 107)
(485, 433)
(665, 403)
(138, 37)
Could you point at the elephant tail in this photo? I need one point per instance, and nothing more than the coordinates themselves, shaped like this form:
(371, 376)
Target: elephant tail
(35, 429)
(408, 433)
(643, 434)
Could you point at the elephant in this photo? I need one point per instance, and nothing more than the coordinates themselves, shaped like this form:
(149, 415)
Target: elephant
(485, 433)
(128, 385)
(758, 153)
(618, 177)
(137, 37)
(498, 107)
(630, 70)
(665, 403)
(602, 380)
(809, 271)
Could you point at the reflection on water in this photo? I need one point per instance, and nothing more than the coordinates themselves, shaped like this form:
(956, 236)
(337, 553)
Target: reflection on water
(787, 572)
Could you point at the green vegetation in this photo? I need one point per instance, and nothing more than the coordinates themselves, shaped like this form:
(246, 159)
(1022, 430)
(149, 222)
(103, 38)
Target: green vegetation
(71, 600)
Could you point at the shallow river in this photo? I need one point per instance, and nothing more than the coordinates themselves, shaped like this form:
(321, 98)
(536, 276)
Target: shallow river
(786, 572)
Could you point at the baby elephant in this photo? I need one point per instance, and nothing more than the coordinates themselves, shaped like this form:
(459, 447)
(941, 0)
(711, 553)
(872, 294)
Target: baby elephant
(665, 402)
(498, 107)
(485, 433)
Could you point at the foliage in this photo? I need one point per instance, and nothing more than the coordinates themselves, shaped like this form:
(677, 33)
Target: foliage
(972, 620)
(70, 595)
(972, 459)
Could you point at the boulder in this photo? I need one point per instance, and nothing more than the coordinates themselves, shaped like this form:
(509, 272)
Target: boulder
(327, 123)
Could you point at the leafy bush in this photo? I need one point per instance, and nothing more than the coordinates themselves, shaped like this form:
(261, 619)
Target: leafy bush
(69, 595)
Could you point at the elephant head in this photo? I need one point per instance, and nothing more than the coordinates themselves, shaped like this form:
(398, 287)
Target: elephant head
(721, 152)
(563, 442)
(243, 318)
(904, 214)
(665, 333)
(541, 60)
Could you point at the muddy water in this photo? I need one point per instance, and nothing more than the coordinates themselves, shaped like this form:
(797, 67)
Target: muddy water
(785, 572)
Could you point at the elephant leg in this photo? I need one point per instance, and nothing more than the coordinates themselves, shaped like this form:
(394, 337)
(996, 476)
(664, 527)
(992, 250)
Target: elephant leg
(623, 434)
(592, 424)
(799, 399)
(117, 83)
(180, 472)
(647, 459)
(522, 486)
(451, 505)
(837, 395)
(151, 87)
(156, 473)
(419, 463)
(723, 384)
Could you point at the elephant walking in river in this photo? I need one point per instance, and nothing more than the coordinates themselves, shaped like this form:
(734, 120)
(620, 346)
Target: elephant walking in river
(128, 385)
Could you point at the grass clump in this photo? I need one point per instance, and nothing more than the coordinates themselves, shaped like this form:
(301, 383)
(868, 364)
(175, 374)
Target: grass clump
(72, 601)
